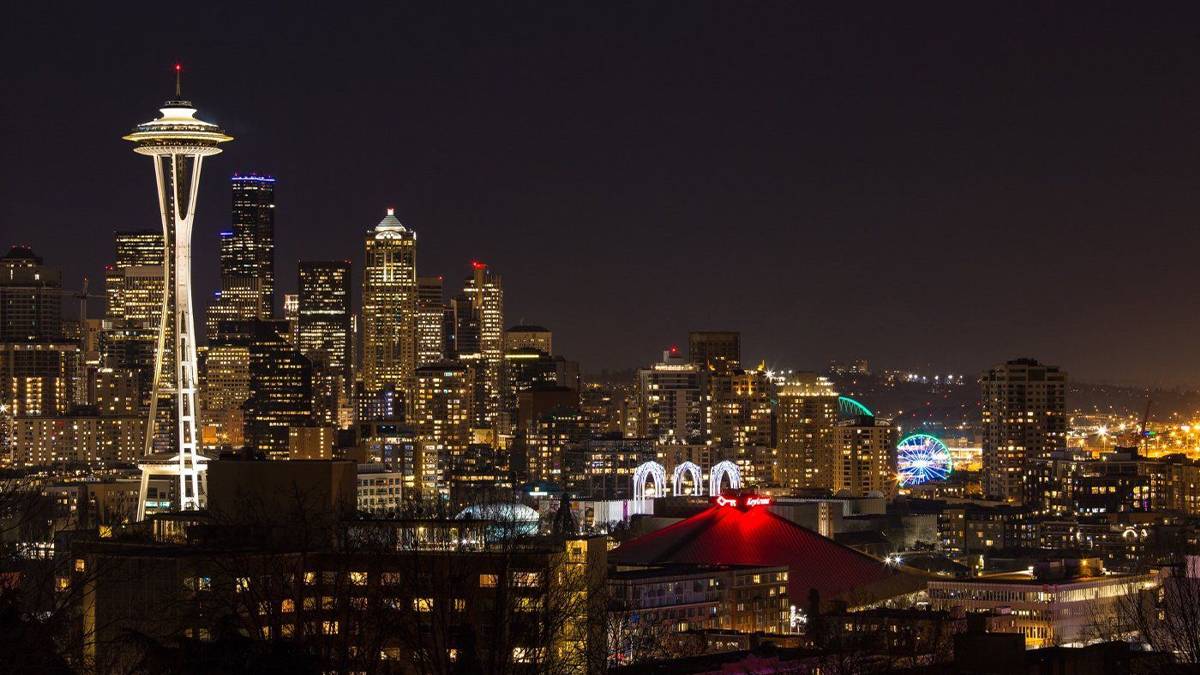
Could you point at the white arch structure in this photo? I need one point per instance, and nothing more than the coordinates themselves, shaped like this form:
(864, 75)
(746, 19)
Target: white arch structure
(726, 468)
(693, 471)
(646, 471)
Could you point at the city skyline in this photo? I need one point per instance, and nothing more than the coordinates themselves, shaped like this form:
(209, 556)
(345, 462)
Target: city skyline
(600, 339)
(900, 160)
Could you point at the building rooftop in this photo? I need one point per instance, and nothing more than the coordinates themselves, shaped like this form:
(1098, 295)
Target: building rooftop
(728, 535)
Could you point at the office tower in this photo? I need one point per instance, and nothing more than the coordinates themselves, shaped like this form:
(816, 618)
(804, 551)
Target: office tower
(671, 400)
(279, 379)
(247, 255)
(717, 351)
(226, 367)
(526, 368)
(39, 366)
(389, 309)
(177, 143)
(462, 329)
(431, 339)
(806, 412)
(135, 294)
(866, 461)
(528, 337)
(1024, 419)
(133, 283)
(441, 421)
(323, 324)
(486, 294)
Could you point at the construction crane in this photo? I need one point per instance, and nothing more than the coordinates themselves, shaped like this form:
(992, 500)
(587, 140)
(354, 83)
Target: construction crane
(82, 296)
(1143, 433)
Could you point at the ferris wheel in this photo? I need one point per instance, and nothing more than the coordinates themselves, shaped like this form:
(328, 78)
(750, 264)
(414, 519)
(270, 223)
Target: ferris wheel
(921, 458)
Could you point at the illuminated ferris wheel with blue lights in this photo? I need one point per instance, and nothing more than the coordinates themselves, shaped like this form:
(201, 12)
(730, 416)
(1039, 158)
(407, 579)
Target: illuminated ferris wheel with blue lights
(921, 458)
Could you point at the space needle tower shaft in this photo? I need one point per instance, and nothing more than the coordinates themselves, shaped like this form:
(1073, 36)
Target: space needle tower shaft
(177, 142)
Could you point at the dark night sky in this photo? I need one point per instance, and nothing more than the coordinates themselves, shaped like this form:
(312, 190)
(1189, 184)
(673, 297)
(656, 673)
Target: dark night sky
(938, 184)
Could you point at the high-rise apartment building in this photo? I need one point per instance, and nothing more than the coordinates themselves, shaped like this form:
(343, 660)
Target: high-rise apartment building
(30, 298)
(38, 364)
(247, 255)
(717, 351)
(866, 460)
(442, 421)
(551, 435)
(740, 409)
(486, 295)
(1024, 419)
(431, 339)
(805, 416)
(671, 397)
(389, 309)
(324, 316)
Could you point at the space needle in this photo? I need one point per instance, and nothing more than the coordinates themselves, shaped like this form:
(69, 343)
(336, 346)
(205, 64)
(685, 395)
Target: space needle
(177, 142)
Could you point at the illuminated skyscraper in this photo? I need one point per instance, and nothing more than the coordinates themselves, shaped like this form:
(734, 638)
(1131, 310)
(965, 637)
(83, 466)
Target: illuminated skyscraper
(281, 386)
(177, 142)
(133, 283)
(134, 290)
(740, 409)
(442, 421)
(739, 421)
(431, 340)
(1024, 419)
(247, 255)
(389, 309)
(38, 365)
(323, 335)
(226, 390)
(671, 397)
(866, 457)
(324, 315)
(806, 413)
(486, 294)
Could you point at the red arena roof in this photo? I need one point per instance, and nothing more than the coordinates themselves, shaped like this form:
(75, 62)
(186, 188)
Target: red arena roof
(729, 535)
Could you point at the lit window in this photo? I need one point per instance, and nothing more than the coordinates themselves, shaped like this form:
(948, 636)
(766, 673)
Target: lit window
(358, 578)
(488, 580)
(329, 627)
(526, 579)
(422, 604)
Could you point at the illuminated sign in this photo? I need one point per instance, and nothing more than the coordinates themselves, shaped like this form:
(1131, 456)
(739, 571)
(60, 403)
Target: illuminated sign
(743, 501)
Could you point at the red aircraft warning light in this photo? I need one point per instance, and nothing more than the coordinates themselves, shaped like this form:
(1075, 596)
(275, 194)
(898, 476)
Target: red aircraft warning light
(478, 265)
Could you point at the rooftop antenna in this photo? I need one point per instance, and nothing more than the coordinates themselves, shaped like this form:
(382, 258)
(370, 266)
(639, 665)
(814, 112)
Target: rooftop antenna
(178, 79)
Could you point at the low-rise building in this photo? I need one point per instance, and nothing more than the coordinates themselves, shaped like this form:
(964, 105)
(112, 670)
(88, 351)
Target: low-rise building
(1049, 606)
